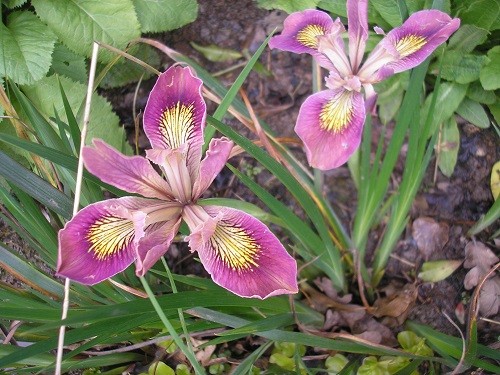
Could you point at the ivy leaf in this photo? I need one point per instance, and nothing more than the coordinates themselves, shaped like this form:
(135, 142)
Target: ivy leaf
(474, 112)
(67, 63)
(462, 68)
(467, 37)
(164, 15)
(26, 46)
(450, 143)
(78, 23)
(288, 6)
(104, 123)
(490, 73)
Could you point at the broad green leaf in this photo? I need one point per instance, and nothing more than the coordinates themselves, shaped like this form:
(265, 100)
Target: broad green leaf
(78, 23)
(415, 5)
(495, 180)
(473, 112)
(438, 270)
(13, 3)
(449, 97)
(467, 37)
(288, 6)
(482, 13)
(164, 15)
(490, 73)
(390, 10)
(449, 146)
(477, 93)
(215, 53)
(69, 64)
(495, 111)
(460, 67)
(335, 7)
(104, 124)
(26, 46)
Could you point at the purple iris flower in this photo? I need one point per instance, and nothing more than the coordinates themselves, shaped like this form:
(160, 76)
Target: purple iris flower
(330, 122)
(104, 238)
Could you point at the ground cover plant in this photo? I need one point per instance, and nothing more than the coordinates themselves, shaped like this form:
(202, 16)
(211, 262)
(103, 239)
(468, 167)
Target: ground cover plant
(319, 270)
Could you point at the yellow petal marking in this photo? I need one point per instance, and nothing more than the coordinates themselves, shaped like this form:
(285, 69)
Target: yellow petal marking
(235, 247)
(336, 114)
(308, 36)
(410, 44)
(177, 124)
(109, 235)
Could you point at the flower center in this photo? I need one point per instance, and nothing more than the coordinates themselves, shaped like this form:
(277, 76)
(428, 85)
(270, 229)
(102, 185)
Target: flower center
(109, 235)
(410, 44)
(308, 36)
(336, 114)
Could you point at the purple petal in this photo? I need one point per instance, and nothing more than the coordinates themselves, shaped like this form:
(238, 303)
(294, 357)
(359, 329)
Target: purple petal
(100, 240)
(215, 159)
(133, 174)
(301, 31)
(175, 112)
(357, 18)
(242, 255)
(410, 44)
(330, 124)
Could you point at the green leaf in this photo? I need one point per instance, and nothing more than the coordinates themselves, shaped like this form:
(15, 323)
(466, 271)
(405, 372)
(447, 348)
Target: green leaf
(104, 124)
(467, 37)
(450, 143)
(78, 23)
(13, 3)
(495, 111)
(473, 112)
(390, 10)
(438, 270)
(215, 53)
(164, 15)
(69, 64)
(482, 13)
(288, 6)
(490, 73)
(460, 67)
(477, 93)
(26, 46)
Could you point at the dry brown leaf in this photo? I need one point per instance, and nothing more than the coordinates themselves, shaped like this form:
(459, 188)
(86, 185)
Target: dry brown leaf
(480, 259)
(397, 305)
(489, 299)
(429, 235)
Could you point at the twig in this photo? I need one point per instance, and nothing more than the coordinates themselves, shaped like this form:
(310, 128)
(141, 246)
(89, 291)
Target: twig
(458, 368)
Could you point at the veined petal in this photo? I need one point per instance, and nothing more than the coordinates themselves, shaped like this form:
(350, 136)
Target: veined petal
(175, 112)
(410, 44)
(330, 124)
(357, 18)
(301, 31)
(215, 159)
(130, 173)
(241, 254)
(100, 240)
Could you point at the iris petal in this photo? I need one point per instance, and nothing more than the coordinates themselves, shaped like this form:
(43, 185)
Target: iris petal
(357, 17)
(330, 124)
(242, 255)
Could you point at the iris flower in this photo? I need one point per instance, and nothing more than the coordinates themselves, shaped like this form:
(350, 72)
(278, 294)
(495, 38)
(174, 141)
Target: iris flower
(330, 122)
(104, 238)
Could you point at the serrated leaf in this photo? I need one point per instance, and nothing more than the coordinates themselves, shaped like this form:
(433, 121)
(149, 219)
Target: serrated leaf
(449, 146)
(482, 13)
(495, 180)
(26, 46)
(474, 112)
(215, 53)
(462, 68)
(11, 4)
(78, 23)
(126, 71)
(288, 6)
(69, 64)
(164, 15)
(103, 124)
(390, 10)
(490, 73)
(479, 94)
(467, 37)
(438, 270)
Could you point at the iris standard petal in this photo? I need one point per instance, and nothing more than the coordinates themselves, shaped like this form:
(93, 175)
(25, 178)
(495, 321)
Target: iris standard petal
(357, 18)
(410, 44)
(242, 255)
(330, 124)
(100, 240)
(130, 173)
(215, 159)
(301, 31)
(175, 112)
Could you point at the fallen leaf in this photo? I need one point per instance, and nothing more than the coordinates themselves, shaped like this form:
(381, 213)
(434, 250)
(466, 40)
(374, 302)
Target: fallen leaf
(429, 235)
(495, 180)
(489, 299)
(480, 259)
(397, 305)
(438, 270)
(217, 54)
